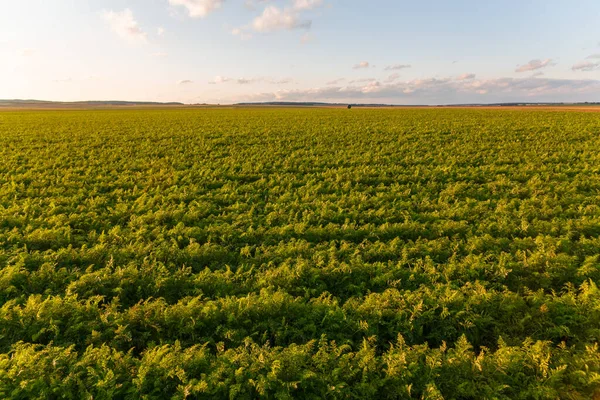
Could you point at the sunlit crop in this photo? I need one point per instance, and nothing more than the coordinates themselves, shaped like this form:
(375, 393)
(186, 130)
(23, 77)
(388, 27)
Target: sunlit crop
(300, 253)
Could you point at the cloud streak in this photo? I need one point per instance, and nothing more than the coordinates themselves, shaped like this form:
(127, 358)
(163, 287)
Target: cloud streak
(198, 8)
(303, 5)
(586, 66)
(241, 33)
(451, 90)
(124, 25)
(397, 67)
(275, 19)
(466, 77)
(336, 81)
(362, 65)
(246, 81)
(534, 65)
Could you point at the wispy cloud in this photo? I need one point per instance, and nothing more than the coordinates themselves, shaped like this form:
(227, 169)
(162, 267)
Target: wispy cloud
(586, 66)
(303, 5)
(393, 78)
(276, 19)
(432, 89)
(397, 67)
(246, 81)
(159, 54)
(241, 33)
(219, 79)
(466, 77)
(362, 65)
(184, 82)
(363, 80)
(124, 25)
(535, 65)
(593, 56)
(198, 8)
(283, 81)
(336, 81)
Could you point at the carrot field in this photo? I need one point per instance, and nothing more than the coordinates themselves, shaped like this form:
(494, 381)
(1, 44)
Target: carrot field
(299, 253)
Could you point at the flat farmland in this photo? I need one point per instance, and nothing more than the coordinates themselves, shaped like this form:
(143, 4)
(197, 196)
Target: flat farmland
(300, 253)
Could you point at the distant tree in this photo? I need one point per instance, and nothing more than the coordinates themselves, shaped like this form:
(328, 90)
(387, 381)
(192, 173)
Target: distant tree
(349, 106)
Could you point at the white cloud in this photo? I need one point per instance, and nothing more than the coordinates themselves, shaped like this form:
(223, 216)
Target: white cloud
(362, 65)
(247, 81)
(160, 31)
(198, 8)
(275, 19)
(392, 78)
(302, 5)
(283, 81)
(535, 65)
(219, 79)
(184, 82)
(363, 80)
(446, 90)
(124, 24)
(336, 81)
(466, 77)
(397, 67)
(241, 33)
(159, 54)
(586, 66)
(597, 55)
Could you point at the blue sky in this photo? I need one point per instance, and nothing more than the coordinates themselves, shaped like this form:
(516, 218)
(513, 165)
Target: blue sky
(225, 51)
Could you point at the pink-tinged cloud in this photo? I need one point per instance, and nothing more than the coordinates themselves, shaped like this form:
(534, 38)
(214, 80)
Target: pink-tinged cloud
(275, 19)
(362, 65)
(397, 67)
(246, 81)
(466, 77)
(198, 8)
(432, 90)
(124, 25)
(586, 66)
(535, 65)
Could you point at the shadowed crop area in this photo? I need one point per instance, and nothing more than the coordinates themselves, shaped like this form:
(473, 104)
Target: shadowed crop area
(300, 253)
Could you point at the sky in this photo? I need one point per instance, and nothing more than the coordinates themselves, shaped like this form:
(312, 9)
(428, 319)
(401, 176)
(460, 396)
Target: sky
(228, 51)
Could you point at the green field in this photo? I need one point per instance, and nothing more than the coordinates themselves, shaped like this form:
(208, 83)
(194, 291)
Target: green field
(300, 253)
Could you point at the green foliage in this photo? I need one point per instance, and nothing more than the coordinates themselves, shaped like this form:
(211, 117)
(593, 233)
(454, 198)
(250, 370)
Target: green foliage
(285, 253)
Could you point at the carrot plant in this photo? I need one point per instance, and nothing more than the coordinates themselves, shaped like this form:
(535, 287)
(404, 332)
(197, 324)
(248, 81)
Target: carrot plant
(300, 253)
